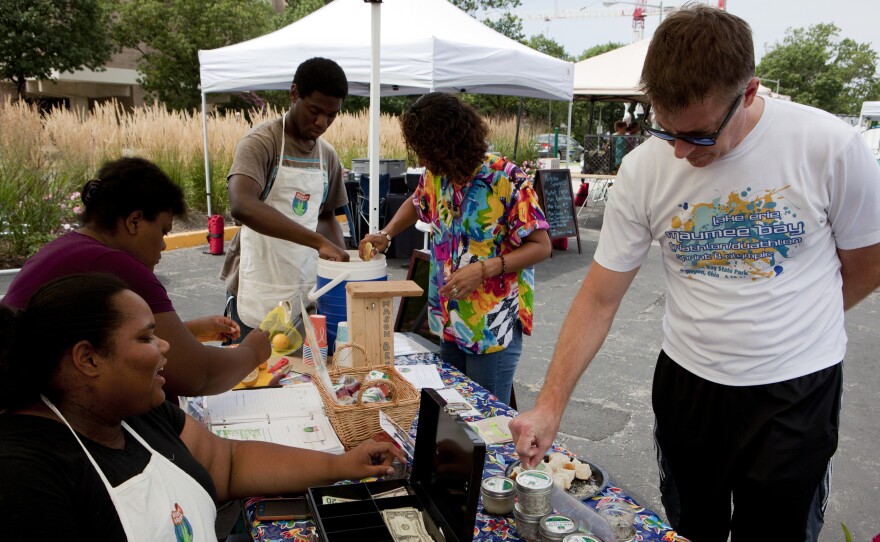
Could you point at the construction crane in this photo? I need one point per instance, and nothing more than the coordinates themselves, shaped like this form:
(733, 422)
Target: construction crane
(639, 19)
(639, 12)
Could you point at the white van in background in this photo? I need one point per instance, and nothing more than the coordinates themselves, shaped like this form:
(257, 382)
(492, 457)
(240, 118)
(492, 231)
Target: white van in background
(869, 126)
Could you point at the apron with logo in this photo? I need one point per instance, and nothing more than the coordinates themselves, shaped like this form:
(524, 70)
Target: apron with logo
(274, 270)
(163, 503)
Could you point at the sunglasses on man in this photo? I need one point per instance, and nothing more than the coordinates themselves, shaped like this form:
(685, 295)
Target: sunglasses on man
(699, 140)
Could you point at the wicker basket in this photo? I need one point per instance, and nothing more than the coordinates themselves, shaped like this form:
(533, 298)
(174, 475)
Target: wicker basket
(358, 422)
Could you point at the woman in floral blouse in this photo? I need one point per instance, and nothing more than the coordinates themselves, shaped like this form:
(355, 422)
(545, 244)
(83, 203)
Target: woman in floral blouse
(487, 233)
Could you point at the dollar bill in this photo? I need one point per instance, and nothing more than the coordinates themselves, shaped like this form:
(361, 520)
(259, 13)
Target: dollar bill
(334, 500)
(406, 525)
(398, 492)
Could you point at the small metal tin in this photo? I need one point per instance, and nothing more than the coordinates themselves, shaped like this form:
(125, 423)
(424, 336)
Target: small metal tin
(555, 527)
(527, 524)
(533, 489)
(580, 537)
(498, 495)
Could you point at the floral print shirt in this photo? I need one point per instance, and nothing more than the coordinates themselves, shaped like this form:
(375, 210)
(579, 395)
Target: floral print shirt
(485, 218)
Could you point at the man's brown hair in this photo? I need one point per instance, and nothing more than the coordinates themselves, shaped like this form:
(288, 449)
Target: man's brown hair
(696, 53)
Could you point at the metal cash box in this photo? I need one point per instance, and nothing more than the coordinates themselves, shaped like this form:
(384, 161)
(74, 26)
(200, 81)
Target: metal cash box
(444, 485)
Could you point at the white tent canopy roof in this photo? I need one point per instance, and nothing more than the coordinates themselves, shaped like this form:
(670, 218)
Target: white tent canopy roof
(427, 45)
(871, 110)
(613, 75)
(766, 91)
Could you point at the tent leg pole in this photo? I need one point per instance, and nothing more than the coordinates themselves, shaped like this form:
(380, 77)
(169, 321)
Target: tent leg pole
(568, 141)
(375, 47)
(518, 121)
(592, 112)
(205, 141)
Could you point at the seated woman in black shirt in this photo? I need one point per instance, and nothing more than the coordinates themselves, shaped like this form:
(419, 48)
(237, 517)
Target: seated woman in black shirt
(89, 445)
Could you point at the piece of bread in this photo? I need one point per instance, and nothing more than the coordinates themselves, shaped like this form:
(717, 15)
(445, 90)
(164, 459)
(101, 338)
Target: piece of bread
(583, 472)
(556, 460)
(561, 481)
(567, 474)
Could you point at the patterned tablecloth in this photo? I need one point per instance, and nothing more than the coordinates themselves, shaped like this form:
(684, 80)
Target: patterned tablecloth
(489, 528)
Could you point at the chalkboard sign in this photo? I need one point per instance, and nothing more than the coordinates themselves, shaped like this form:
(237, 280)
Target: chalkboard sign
(557, 201)
(412, 315)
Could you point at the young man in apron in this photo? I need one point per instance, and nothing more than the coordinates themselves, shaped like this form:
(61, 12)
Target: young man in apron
(284, 186)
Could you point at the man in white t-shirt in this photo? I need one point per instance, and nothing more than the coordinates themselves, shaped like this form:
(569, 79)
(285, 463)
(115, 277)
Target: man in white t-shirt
(766, 215)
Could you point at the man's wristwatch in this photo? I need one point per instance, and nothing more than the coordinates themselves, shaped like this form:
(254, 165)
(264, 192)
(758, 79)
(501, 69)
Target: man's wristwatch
(385, 233)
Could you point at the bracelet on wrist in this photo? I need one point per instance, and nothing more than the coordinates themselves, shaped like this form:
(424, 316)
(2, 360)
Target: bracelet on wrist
(387, 238)
(483, 266)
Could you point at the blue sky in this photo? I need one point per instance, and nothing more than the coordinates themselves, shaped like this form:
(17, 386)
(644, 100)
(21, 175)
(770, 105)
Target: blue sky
(857, 19)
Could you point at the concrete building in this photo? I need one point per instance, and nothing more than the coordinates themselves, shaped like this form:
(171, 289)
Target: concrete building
(83, 89)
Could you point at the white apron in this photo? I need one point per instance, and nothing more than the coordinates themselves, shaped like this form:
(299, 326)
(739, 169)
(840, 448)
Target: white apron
(274, 270)
(163, 503)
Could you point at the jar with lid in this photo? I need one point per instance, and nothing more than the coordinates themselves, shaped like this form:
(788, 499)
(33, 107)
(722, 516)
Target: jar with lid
(620, 516)
(555, 527)
(498, 495)
(527, 524)
(533, 489)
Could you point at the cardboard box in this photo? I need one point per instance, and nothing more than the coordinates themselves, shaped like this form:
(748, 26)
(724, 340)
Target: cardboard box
(444, 485)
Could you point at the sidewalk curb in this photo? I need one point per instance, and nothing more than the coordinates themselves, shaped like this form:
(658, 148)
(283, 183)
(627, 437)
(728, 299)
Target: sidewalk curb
(195, 238)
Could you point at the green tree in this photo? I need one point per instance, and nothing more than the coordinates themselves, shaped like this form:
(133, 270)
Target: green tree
(295, 10)
(38, 36)
(597, 50)
(508, 24)
(817, 68)
(548, 46)
(169, 34)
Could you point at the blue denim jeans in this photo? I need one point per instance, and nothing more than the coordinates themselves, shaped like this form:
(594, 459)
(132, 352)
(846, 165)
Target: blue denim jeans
(231, 311)
(492, 371)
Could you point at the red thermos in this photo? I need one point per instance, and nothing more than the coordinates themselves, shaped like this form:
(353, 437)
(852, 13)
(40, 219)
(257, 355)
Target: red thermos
(582, 194)
(215, 234)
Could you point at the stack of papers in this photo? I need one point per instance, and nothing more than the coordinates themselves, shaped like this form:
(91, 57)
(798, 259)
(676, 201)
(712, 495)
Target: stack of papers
(494, 430)
(421, 376)
(291, 416)
(406, 344)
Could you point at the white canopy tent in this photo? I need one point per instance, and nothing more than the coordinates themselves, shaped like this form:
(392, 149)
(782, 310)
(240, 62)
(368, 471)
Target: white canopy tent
(426, 45)
(768, 93)
(870, 112)
(612, 76)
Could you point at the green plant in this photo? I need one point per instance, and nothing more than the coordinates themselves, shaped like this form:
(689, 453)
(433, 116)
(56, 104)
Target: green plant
(34, 197)
(35, 207)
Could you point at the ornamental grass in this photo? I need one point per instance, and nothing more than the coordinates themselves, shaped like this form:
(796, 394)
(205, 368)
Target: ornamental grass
(47, 157)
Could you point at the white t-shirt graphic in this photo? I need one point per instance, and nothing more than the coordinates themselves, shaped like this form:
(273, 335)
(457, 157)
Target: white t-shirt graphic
(749, 243)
